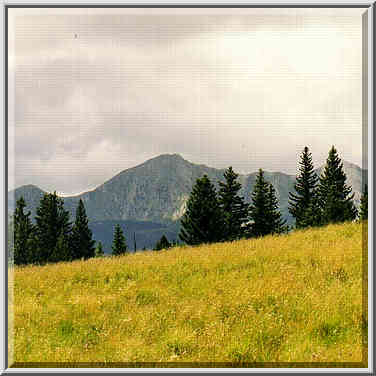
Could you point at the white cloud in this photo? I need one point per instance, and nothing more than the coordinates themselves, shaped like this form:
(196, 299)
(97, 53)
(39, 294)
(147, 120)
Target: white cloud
(243, 90)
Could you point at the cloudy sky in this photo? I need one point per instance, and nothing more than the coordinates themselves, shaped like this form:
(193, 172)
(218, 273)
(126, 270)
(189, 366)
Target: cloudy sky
(95, 91)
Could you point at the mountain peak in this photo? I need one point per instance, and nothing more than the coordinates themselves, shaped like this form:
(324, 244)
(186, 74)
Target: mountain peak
(176, 157)
(27, 187)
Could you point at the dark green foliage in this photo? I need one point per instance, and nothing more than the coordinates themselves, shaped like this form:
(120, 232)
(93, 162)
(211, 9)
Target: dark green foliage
(62, 250)
(99, 250)
(163, 243)
(82, 244)
(335, 198)
(202, 221)
(305, 186)
(363, 211)
(234, 209)
(260, 207)
(52, 223)
(119, 246)
(277, 225)
(10, 240)
(265, 217)
(312, 214)
(23, 230)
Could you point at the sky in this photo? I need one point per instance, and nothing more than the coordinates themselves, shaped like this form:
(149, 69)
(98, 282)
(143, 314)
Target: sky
(93, 92)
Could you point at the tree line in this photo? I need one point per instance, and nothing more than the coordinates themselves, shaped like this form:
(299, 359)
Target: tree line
(53, 238)
(213, 216)
(210, 216)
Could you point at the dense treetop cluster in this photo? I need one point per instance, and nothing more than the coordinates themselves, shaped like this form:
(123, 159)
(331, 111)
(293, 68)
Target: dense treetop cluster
(224, 216)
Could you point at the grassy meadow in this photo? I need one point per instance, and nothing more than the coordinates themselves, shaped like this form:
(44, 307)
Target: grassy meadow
(291, 298)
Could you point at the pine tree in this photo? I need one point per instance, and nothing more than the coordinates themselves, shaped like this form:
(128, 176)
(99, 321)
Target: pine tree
(312, 215)
(10, 253)
(23, 229)
(82, 243)
(61, 251)
(260, 207)
(119, 246)
(234, 209)
(163, 243)
(335, 198)
(305, 186)
(363, 212)
(99, 250)
(276, 224)
(52, 222)
(202, 221)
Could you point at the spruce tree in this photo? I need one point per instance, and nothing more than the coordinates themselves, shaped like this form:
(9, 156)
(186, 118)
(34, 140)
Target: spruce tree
(134, 241)
(10, 253)
(312, 215)
(82, 243)
(202, 221)
(163, 243)
(62, 251)
(260, 207)
(23, 230)
(305, 187)
(234, 209)
(99, 250)
(277, 225)
(335, 198)
(363, 210)
(119, 246)
(52, 222)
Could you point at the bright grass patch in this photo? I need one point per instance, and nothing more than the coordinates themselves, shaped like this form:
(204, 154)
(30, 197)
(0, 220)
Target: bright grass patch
(290, 298)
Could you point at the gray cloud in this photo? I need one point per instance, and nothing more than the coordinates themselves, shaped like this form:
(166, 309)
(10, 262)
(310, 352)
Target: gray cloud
(243, 90)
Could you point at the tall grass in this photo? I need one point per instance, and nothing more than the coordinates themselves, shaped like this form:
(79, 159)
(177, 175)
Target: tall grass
(290, 298)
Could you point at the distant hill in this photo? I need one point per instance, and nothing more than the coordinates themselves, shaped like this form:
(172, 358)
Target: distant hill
(156, 191)
(147, 234)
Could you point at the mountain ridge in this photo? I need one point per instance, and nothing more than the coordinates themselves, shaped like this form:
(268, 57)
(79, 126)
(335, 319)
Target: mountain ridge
(157, 189)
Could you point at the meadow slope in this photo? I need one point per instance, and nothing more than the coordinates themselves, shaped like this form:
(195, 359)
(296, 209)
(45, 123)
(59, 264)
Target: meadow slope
(290, 298)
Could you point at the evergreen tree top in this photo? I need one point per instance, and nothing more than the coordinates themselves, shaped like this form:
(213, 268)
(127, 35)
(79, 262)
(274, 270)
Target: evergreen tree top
(119, 245)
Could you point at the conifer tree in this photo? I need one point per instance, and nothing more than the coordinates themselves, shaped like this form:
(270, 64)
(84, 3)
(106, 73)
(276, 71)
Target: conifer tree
(163, 243)
(62, 251)
(363, 211)
(119, 246)
(260, 207)
(335, 198)
(99, 250)
(23, 229)
(234, 209)
(202, 221)
(305, 187)
(52, 222)
(10, 253)
(82, 243)
(312, 215)
(276, 224)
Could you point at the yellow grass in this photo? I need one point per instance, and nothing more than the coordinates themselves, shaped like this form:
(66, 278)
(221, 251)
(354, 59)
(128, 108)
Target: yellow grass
(292, 298)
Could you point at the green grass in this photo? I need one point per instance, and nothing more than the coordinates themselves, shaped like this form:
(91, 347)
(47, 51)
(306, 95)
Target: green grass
(291, 298)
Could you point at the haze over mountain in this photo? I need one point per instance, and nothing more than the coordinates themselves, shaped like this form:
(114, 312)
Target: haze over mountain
(157, 190)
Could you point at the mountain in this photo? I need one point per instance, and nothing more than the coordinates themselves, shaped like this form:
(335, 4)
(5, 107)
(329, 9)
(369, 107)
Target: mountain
(31, 194)
(156, 191)
(147, 234)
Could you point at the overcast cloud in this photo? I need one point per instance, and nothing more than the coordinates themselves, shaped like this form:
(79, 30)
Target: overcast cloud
(94, 92)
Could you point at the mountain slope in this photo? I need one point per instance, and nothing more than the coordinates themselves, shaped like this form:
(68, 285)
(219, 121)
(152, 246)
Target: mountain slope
(293, 298)
(157, 190)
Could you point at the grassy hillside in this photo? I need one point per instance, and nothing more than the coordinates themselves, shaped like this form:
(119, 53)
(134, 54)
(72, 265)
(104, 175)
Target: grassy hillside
(292, 298)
